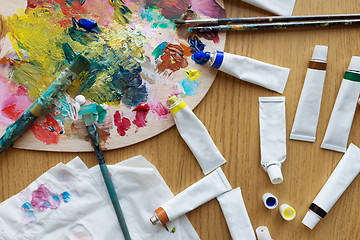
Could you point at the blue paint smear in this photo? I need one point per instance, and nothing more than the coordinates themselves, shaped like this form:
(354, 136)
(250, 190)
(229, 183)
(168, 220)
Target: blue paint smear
(56, 198)
(66, 196)
(189, 87)
(26, 207)
(196, 44)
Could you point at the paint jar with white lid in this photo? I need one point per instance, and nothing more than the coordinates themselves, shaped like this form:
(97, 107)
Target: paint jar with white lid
(270, 201)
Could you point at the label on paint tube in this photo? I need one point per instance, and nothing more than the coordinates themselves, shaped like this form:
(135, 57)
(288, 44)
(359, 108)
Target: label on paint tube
(272, 136)
(308, 109)
(197, 194)
(345, 172)
(236, 216)
(253, 71)
(338, 129)
(194, 133)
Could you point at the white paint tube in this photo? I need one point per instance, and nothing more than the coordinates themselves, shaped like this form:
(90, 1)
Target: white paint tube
(345, 172)
(279, 7)
(236, 216)
(194, 133)
(247, 69)
(308, 109)
(338, 129)
(192, 197)
(272, 136)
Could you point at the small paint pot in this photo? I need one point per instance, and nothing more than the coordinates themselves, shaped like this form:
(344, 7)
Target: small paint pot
(262, 233)
(287, 212)
(270, 201)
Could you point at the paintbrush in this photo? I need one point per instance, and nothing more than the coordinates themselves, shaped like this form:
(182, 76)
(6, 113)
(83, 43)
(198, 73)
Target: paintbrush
(280, 25)
(87, 116)
(272, 19)
(61, 83)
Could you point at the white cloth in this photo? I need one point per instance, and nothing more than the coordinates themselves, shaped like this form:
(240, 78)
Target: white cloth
(279, 7)
(70, 202)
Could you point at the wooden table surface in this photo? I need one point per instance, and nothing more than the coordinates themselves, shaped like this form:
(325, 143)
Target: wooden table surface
(230, 113)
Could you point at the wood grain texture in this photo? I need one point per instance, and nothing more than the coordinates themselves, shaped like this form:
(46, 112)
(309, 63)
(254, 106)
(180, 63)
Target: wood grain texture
(230, 112)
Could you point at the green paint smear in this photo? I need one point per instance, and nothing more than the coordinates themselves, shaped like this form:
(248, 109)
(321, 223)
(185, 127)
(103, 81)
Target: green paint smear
(98, 112)
(153, 16)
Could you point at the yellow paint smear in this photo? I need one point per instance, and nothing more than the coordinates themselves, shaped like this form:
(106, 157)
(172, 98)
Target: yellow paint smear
(192, 74)
(3, 27)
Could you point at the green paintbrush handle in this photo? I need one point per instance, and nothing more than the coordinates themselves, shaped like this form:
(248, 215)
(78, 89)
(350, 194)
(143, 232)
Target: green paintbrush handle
(93, 133)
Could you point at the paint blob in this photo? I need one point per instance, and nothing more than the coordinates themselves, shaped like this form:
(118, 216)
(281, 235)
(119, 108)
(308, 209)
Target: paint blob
(122, 123)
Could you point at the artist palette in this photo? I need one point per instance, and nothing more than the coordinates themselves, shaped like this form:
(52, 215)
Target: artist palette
(139, 59)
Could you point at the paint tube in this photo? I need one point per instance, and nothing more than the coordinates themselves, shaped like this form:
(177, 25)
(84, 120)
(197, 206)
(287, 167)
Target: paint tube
(338, 129)
(236, 216)
(308, 109)
(192, 197)
(194, 133)
(247, 69)
(272, 136)
(279, 7)
(345, 172)
(263, 233)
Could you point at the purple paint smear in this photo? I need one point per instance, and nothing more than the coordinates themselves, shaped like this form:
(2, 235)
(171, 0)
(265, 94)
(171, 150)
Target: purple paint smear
(43, 198)
(209, 8)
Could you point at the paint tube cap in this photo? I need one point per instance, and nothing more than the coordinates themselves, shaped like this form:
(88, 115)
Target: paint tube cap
(311, 219)
(320, 53)
(275, 174)
(262, 233)
(354, 64)
(287, 212)
(270, 201)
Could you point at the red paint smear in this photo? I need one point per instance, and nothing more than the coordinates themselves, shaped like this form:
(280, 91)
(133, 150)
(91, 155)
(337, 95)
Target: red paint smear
(36, 3)
(141, 112)
(12, 112)
(140, 118)
(142, 107)
(216, 39)
(47, 130)
(122, 124)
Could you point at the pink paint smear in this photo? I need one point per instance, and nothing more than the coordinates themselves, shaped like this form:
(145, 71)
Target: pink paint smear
(13, 101)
